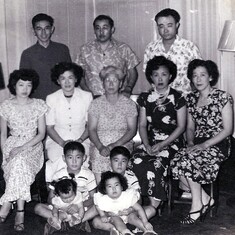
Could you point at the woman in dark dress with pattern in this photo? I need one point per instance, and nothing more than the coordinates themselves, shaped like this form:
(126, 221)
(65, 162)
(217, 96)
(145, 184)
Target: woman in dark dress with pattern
(209, 126)
(162, 121)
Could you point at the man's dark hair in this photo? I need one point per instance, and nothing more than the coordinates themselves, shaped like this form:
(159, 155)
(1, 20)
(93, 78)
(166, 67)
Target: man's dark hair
(104, 17)
(168, 12)
(41, 17)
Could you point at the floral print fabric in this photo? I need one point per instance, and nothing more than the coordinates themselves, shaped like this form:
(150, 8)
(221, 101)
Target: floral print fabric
(203, 168)
(182, 51)
(20, 170)
(93, 59)
(161, 122)
(112, 125)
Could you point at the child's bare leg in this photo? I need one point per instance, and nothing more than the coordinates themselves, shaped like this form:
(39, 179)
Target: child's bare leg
(90, 214)
(43, 210)
(98, 224)
(120, 225)
(133, 219)
(150, 211)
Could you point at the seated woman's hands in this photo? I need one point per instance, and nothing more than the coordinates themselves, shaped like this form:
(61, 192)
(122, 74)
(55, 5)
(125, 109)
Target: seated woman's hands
(155, 149)
(16, 150)
(196, 148)
(104, 151)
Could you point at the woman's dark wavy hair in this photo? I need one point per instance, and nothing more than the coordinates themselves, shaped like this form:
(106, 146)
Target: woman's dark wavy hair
(155, 63)
(62, 67)
(65, 186)
(25, 75)
(109, 175)
(210, 66)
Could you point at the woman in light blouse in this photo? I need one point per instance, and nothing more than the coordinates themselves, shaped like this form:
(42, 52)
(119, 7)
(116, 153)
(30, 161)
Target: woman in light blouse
(67, 117)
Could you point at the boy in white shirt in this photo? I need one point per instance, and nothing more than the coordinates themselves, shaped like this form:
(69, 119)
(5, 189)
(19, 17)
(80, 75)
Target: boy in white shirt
(74, 156)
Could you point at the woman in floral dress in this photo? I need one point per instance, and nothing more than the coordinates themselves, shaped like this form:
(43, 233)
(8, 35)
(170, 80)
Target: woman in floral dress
(209, 126)
(161, 125)
(22, 149)
(112, 121)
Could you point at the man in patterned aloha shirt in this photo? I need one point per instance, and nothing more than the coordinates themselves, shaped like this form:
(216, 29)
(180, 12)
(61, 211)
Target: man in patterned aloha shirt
(173, 47)
(105, 51)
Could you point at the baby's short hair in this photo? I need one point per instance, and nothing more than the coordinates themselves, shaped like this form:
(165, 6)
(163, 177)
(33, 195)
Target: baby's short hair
(65, 186)
(120, 150)
(73, 145)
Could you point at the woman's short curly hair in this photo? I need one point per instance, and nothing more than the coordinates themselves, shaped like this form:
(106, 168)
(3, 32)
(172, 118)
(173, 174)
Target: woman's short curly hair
(155, 63)
(25, 75)
(209, 65)
(62, 67)
(109, 175)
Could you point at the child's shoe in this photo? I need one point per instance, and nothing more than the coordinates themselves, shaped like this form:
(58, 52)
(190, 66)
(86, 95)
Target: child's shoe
(148, 232)
(114, 231)
(127, 232)
(48, 229)
(54, 222)
(75, 219)
(137, 230)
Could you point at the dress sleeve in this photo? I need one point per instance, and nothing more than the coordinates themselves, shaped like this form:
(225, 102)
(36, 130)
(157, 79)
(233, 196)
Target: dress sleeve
(4, 110)
(94, 109)
(225, 98)
(180, 102)
(142, 99)
(42, 107)
(50, 117)
(131, 109)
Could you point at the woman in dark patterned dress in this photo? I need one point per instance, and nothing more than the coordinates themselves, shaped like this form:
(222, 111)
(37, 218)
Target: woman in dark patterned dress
(209, 126)
(162, 121)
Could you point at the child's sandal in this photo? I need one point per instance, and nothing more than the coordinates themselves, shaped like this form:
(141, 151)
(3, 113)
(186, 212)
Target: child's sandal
(53, 223)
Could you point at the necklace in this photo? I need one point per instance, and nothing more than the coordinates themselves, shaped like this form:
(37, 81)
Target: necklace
(68, 96)
(160, 97)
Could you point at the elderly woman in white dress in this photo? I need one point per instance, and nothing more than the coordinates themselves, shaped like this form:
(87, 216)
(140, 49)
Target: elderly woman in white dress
(67, 117)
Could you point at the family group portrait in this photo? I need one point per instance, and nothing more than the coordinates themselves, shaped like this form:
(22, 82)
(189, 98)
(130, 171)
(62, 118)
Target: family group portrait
(117, 117)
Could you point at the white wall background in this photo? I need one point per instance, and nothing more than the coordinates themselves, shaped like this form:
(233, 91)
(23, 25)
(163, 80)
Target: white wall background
(202, 22)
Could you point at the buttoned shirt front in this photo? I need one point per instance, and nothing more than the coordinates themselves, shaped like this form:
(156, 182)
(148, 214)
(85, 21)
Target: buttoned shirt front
(181, 52)
(68, 118)
(93, 59)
